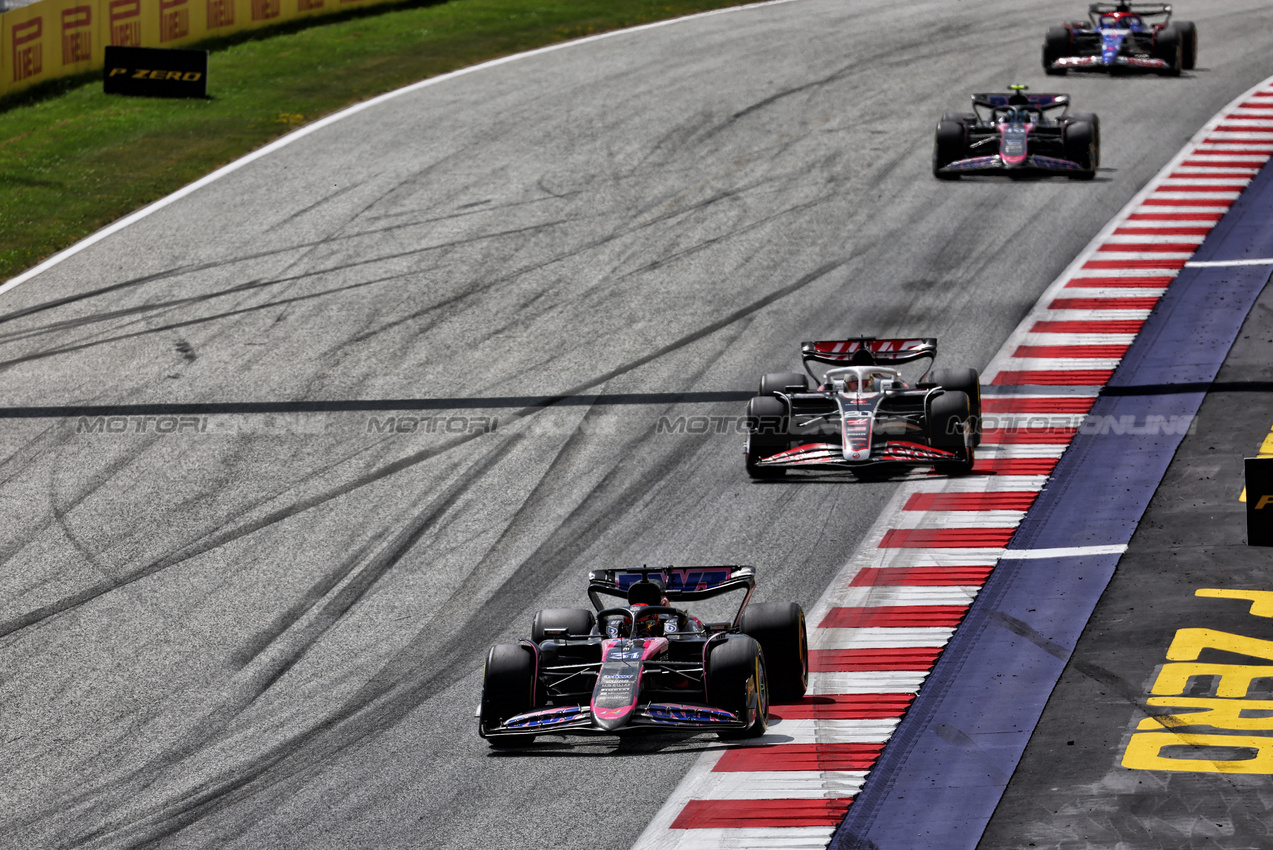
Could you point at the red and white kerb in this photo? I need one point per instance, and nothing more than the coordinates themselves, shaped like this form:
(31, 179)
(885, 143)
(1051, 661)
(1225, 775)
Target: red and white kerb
(880, 627)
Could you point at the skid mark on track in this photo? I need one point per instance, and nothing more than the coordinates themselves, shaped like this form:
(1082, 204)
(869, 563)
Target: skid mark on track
(229, 535)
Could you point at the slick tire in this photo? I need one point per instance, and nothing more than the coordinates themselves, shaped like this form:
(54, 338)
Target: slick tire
(1080, 147)
(948, 415)
(968, 382)
(1056, 45)
(965, 118)
(779, 628)
(781, 382)
(766, 434)
(577, 622)
(1091, 118)
(949, 145)
(737, 682)
(508, 689)
(1188, 44)
(1169, 48)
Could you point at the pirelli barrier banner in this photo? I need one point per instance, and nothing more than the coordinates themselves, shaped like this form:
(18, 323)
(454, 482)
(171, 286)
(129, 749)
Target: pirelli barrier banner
(57, 38)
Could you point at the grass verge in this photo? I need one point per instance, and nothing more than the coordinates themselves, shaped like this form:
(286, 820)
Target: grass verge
(73, 159)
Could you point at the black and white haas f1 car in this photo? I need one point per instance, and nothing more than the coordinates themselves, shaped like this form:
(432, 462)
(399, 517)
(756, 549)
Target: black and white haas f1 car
(647, 664)
(861, 415)
(1018, 134)
(1117, 38)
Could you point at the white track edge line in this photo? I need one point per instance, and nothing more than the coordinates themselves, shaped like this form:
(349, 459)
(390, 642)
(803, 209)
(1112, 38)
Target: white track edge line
(302, 132)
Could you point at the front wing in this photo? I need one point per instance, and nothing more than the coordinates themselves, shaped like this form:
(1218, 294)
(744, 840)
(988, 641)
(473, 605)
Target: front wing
(995, 165)
(832, 455)
(1118, 63)
(578, 719)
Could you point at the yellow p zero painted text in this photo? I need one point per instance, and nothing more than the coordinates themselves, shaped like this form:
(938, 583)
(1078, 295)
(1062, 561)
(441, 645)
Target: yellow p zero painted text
(1156, 746)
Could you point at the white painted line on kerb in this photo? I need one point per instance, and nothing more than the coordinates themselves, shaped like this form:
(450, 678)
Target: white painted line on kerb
(1066, 552)
(1216, 264)
(145, 212)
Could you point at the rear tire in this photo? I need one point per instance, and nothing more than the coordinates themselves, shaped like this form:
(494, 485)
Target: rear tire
(1188, 44)
(779, 382)
(1056, 45)
(766, 435)
(949, 145)
(577, 622)
(968, 382)
(736, 679)
(508, 689)
(779, 628)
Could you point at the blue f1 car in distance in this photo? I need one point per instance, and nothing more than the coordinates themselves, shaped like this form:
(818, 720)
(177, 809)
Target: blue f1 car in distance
(1118, 39)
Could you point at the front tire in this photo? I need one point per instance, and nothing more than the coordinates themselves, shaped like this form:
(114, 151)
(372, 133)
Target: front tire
(766, 435)
(968, 382)
(779, 628)
(1080, 148)
(508, 689)
(1188, 44)
(737, 682)
(948, 418)
(1056, 45)
(949, 145)
(1168, 47)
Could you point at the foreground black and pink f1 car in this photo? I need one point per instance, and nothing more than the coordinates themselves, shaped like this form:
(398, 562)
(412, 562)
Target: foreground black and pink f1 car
(646, 664)
(1118, 39)
(1017, 134)
(861, 415)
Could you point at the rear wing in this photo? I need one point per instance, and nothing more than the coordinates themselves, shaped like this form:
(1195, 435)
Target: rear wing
(868, 351)
(679, 583)
(1145, 10)
(998, 100)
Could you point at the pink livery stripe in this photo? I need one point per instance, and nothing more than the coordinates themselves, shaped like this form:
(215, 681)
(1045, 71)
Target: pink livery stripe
(913, 577)
(1000, 500)
(857, 660)
(735, 814)
(799, 757)
(894, 617)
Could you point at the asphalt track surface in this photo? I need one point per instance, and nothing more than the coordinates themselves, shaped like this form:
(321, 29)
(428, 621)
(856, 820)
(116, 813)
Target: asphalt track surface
(254, 618)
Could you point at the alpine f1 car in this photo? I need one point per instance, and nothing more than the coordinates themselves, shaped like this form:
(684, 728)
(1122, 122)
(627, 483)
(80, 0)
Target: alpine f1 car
(861, 415)
(645, 664)
(1117, 38)
(1018, 134)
